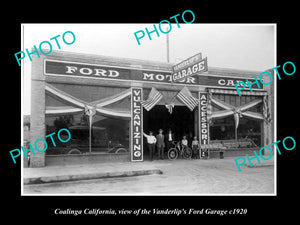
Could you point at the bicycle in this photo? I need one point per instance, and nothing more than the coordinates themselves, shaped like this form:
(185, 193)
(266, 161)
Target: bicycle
(179, 150)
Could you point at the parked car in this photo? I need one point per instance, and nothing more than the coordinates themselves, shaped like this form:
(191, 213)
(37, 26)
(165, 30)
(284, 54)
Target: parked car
(80, 142)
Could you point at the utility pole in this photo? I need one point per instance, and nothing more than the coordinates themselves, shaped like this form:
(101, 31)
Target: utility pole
(167, 42)
(168, 57)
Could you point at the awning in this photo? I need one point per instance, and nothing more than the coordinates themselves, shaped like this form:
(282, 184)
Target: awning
(234, 92)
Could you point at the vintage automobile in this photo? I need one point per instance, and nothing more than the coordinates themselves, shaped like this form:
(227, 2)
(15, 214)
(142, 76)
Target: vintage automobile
(80, 143)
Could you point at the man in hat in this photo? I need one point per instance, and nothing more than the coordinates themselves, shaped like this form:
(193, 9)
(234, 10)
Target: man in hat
(160, 144)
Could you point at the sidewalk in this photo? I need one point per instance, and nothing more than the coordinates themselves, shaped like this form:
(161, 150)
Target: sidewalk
(87, 171)
(125, 169)
(262, 163)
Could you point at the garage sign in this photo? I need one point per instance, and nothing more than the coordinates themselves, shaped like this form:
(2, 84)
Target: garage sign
(191, 66)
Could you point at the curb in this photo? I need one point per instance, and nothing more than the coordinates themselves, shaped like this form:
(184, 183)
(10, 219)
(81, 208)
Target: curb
(87, 176)
(259, 165)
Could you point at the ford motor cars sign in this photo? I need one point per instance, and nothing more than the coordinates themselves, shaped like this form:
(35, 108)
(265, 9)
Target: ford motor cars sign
(182, 76)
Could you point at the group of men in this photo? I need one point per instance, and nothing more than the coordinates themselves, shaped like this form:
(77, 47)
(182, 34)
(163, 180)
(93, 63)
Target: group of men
(160, 141)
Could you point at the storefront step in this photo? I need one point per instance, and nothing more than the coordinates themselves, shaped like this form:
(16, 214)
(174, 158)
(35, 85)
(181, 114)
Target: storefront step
(65, 160)
(233, 152)
(88, 176)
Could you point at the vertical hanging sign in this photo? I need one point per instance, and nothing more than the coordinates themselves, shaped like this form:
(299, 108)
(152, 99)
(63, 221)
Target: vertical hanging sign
(203, 122)
(136, 125)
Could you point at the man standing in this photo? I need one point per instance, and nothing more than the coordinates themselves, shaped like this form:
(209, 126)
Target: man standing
(160, 144)
(169, 139)
(151, 140)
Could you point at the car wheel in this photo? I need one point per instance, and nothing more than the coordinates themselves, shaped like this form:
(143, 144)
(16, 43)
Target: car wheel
(74, 151)
(121, 150)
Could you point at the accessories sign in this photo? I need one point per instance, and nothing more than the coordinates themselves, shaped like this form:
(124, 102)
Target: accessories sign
(203, 129)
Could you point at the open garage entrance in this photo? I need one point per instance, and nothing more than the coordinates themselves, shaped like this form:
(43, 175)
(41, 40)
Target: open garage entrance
(181, 122)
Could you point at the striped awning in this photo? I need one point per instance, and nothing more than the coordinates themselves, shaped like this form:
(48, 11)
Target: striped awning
(234, 92)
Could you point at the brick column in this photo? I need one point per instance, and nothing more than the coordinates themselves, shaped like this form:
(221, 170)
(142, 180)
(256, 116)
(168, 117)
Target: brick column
(37, 117)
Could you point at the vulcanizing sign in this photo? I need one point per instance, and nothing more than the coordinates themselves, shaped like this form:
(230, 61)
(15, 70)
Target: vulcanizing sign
(136, 125)
(203, 129)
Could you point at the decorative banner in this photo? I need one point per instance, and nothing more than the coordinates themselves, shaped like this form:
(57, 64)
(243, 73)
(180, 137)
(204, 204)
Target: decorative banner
(203, 129)
(77, 105)
(237, 112)
(136, 125)
(170, 107)
(90, 111)
(266, 110)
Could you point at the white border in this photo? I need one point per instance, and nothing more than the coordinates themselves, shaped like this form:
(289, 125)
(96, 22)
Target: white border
(275, 109)
(22, 106)
(205, 194)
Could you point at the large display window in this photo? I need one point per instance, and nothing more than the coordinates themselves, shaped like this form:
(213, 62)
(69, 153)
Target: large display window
(108, 135)
(236, 122)
(98, 118)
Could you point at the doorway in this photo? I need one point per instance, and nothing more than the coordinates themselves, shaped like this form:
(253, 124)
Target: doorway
(181, 122)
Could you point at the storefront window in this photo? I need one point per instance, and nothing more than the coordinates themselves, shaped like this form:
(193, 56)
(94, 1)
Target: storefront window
(249, 131)
(222, 129)
(95, 116)
(108, 135)
(236, 129)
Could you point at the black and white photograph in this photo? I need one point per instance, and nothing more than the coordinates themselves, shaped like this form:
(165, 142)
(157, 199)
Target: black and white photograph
(149, 112)
(149, 109)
